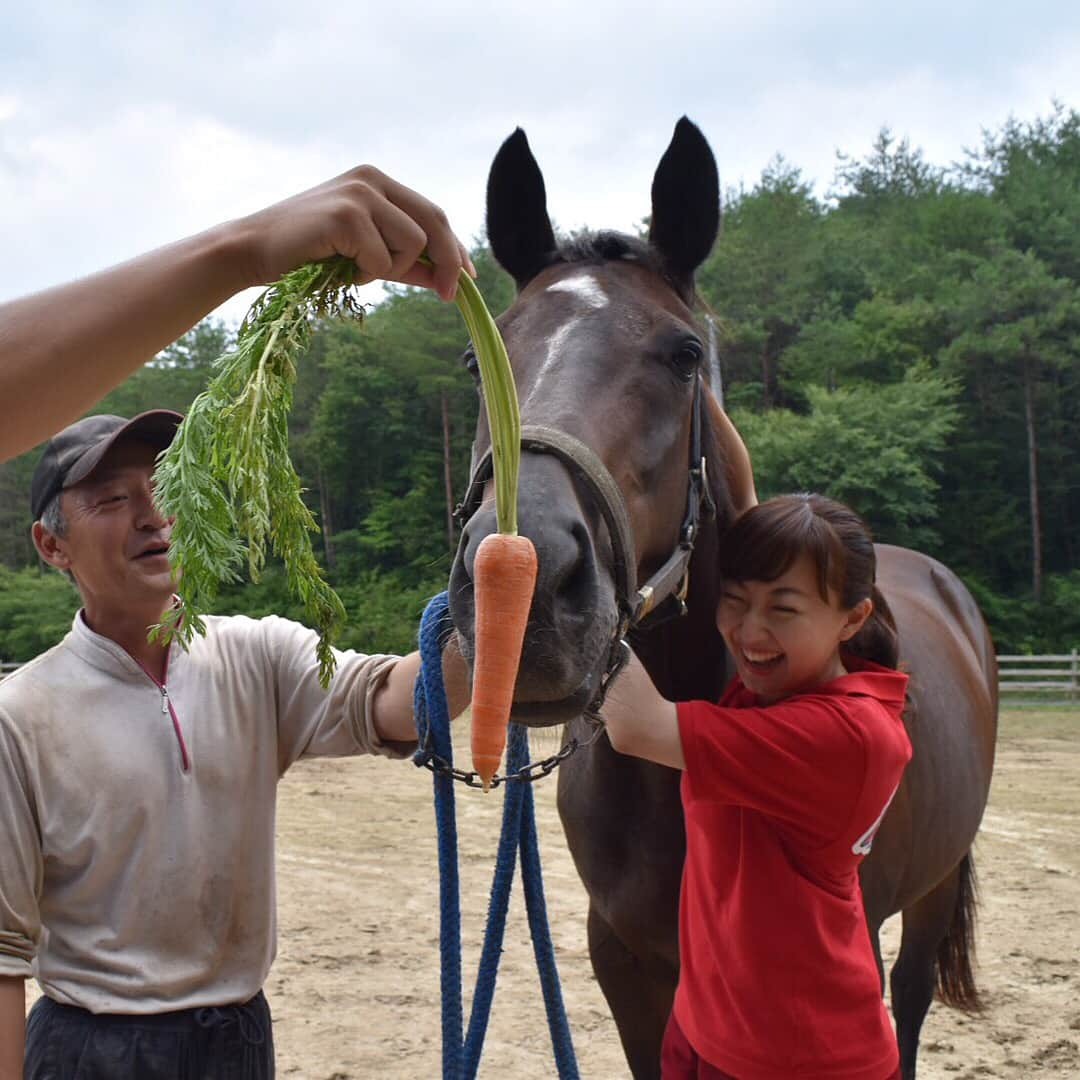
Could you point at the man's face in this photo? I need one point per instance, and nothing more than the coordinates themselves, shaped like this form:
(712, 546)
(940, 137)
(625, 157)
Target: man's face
(117, 542)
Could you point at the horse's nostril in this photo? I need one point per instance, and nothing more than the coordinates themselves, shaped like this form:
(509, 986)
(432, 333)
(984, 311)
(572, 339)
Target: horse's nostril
(574, 584)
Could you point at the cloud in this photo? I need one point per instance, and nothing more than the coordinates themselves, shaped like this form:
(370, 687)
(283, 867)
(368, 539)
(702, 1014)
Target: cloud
(126, 125)
(76, 198)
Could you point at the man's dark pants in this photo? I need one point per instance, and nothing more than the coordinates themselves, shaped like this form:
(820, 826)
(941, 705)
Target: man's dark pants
(230, 1042)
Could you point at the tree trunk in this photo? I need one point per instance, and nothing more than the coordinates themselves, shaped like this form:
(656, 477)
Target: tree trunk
(716, 374)
(327, 524)
(451, 540)
(1033, 483)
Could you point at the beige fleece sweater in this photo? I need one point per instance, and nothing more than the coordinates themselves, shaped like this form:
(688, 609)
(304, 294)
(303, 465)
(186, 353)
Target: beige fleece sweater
(137, 820)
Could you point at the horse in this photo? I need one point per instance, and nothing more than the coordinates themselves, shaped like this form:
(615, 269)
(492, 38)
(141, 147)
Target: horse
(629, 474)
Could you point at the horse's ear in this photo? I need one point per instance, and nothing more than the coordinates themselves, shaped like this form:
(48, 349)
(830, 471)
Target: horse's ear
(740, 472)
(518, 227)
(685, 202)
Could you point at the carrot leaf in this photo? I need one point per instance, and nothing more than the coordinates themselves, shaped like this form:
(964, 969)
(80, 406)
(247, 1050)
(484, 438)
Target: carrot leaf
(227, 477)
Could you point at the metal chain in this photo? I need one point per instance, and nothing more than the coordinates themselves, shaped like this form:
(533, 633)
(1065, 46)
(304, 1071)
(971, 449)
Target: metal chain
(618, 658)
(536, 770)
(532, 772)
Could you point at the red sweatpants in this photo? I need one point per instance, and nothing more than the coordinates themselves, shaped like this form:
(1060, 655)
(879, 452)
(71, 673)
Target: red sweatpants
(680, 1061)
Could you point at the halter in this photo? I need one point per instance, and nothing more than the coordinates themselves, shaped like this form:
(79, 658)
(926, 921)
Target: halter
(671, 581)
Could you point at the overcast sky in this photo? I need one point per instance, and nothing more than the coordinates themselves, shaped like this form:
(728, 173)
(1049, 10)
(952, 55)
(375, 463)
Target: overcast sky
(127, 125)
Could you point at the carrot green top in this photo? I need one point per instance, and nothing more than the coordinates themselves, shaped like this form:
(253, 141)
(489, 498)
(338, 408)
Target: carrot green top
(228, 479)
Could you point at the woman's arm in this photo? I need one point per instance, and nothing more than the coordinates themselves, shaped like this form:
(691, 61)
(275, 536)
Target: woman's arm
(12, 1027)
(640, 720)
(62, 349)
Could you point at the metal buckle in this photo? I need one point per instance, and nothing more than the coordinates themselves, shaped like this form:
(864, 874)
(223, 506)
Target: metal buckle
(645, 604)
(683, 589)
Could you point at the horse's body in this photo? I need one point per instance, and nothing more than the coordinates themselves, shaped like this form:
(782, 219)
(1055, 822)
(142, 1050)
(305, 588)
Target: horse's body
(605, 348)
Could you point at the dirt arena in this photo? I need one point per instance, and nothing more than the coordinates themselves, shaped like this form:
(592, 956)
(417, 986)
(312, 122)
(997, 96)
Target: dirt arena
(355, 987)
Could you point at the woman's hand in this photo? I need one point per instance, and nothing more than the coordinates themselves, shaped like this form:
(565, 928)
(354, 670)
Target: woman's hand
(640, 720)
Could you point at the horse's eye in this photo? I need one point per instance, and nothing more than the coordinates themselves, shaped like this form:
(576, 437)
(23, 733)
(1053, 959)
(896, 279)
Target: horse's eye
(687, 358)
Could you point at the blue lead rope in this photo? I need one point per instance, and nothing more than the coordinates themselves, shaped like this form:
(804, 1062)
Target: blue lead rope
(461, 1056)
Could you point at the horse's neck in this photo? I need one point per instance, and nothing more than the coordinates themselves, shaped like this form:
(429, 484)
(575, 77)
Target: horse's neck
(686, 657)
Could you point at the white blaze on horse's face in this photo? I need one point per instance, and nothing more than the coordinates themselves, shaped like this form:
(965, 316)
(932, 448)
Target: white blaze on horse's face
(585, 286)
(586, 289)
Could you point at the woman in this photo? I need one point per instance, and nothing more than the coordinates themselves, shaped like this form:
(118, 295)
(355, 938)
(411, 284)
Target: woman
(785, 782)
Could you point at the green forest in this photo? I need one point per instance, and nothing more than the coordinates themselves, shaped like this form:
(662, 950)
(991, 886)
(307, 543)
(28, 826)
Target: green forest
(907, 341)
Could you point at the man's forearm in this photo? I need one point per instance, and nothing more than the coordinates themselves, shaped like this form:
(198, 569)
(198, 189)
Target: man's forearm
(12, 1027)
(82, 339)
(393, 702)
(63, 349)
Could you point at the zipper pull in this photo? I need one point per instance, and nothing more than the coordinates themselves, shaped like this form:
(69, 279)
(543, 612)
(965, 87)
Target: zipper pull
(164, 700)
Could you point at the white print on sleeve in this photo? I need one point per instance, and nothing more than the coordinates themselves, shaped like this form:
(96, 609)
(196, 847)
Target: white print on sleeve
(865, 842)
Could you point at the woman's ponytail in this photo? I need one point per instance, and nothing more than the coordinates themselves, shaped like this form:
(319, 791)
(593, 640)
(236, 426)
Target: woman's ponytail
(877, 640)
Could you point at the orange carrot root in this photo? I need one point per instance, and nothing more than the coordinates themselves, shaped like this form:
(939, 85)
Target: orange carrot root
(504, 576)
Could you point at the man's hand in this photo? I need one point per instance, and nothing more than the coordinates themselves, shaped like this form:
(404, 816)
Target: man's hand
(740, 472)
(456, 678)
(366, 216)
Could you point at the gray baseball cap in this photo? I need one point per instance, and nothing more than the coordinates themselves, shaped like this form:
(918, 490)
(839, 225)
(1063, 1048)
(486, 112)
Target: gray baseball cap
(74, 453)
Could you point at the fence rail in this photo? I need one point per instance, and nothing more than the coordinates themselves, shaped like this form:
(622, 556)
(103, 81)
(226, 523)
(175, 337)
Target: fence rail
(1057, 675)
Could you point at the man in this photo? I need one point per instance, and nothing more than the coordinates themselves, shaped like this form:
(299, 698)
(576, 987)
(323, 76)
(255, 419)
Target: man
(137, 789)
(63, 349)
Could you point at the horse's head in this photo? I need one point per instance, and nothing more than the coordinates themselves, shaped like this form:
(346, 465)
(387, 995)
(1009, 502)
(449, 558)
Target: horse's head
(605, 350)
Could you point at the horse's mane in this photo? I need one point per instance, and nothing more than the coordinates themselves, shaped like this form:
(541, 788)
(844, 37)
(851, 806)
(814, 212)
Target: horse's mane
(605, 245)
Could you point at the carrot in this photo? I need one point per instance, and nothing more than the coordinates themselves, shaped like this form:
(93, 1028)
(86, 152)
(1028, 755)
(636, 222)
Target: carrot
(504, 574)
(504, 570)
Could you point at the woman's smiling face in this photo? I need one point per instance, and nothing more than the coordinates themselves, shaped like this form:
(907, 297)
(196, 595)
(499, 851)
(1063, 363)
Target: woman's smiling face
(783, 635)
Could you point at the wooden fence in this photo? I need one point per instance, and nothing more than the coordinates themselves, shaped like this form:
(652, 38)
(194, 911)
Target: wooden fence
(1054, 677)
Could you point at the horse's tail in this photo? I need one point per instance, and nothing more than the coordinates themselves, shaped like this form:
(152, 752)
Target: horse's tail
(956, 953)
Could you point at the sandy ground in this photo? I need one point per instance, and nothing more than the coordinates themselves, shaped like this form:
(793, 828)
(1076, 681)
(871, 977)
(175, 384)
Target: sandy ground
(355, 989)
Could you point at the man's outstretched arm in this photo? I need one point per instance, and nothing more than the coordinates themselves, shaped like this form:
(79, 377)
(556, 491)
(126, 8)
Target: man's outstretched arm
(62, 349)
